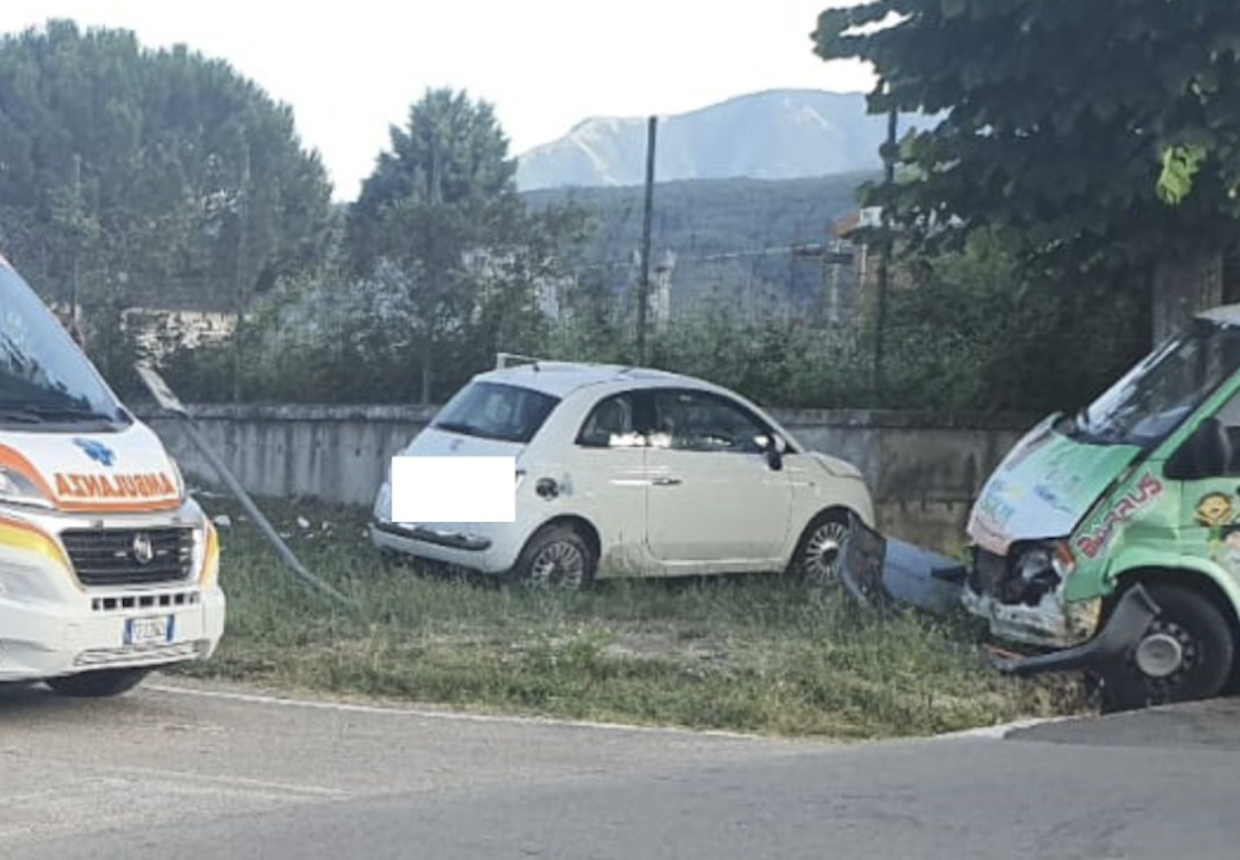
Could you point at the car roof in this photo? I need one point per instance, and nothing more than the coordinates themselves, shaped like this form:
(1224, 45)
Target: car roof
(562, 378)
(1228, 315)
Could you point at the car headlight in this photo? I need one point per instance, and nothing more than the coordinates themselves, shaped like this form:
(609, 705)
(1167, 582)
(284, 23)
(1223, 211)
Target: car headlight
(18, 489)
(1063, 559)
(1034, 563)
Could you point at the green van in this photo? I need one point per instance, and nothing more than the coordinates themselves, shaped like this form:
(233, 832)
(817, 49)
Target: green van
(1109, 540)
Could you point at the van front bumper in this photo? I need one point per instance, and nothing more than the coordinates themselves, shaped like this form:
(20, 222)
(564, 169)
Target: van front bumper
(1128, 623)
(1050, 623)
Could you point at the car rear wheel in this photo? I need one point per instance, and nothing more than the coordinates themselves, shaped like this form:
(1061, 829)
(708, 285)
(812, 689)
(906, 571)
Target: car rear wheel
(99, 684)
(816, 561)
(557, 556)
(1186, 654)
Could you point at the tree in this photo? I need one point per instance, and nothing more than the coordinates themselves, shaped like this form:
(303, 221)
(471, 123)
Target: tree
(146, 175)
(442, 207)
(1057, 119)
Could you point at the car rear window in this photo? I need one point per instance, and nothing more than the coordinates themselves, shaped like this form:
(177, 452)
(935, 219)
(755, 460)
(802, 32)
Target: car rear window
(491, 410)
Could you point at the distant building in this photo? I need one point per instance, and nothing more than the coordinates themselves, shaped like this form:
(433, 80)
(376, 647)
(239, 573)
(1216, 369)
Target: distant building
(851, 233)
(159, 331)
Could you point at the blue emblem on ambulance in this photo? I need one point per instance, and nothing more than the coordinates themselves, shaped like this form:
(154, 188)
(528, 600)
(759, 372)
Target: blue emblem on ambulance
(97, 451)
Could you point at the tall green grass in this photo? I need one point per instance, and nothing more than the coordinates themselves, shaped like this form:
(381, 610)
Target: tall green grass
(750, 654)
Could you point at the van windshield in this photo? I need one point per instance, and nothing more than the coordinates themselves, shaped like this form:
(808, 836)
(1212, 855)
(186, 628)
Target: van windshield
(1151, 401)
(490, 410)
(44, 378)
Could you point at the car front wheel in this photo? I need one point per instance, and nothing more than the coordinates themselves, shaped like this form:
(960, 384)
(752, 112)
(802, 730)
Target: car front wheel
(817, 557)
(1186, 654)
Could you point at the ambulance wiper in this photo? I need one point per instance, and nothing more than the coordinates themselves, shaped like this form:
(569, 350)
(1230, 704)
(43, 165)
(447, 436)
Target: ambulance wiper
(61, 413)
(19, 415)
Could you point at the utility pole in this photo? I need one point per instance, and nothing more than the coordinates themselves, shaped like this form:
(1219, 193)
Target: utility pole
(884, 272)
(242, 293)
(434, 196)
(77, 240)
(643, 287)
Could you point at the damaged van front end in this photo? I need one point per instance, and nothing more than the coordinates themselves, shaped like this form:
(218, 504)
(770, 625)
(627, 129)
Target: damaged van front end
(1108, 540)
(1040, 531)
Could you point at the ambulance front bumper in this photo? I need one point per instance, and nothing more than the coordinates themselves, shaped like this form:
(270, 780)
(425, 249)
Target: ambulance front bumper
(57, 618)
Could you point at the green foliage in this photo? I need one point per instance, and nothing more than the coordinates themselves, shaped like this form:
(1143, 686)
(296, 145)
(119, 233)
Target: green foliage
(978, 333)
(969, 332)
(142, 169)
(1181, 165)
(469, 262)
(1056, 114)
(452, 153)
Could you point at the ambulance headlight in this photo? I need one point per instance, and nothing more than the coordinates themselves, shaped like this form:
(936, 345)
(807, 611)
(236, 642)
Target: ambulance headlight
(177, 477)
(18, 489)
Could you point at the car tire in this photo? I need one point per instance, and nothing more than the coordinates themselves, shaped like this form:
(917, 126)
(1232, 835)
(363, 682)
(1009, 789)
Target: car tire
(557, 557)
(1187, 654)
(99, 684)
(815, 563)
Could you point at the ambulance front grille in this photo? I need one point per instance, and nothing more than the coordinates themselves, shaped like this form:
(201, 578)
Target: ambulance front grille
(111, 557)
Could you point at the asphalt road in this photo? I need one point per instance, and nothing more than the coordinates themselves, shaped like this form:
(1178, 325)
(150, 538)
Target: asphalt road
(220, 775)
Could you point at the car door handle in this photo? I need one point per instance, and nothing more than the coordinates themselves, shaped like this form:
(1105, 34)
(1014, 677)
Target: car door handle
(666, 482)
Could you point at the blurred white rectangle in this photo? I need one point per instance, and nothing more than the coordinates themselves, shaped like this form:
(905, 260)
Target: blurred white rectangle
(454, 489)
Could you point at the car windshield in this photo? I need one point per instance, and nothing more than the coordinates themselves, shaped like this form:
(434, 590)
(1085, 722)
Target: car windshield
(1147, 404)
(44, 377)
(490, 410)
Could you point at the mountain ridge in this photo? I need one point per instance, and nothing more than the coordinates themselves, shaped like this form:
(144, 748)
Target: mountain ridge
(770, 134)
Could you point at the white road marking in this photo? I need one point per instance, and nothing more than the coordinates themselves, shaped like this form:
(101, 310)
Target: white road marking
(1001, 731)
(452, 716)
(242, 782)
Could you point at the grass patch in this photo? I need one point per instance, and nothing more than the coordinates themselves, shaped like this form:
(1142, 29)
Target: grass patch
(748, 654)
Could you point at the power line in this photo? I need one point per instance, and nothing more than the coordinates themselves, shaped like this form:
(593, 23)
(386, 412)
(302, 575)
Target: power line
(812, 250)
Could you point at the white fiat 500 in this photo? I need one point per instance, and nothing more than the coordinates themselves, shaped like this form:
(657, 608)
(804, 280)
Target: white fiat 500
(630, 472)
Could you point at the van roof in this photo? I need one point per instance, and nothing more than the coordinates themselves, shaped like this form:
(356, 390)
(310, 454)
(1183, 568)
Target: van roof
(561, 378)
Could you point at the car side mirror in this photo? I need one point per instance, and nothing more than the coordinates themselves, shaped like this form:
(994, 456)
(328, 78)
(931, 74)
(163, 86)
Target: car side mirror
(1204, 454)
(774, 448)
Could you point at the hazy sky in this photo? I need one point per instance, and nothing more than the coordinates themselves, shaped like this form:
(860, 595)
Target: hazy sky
(351, 69)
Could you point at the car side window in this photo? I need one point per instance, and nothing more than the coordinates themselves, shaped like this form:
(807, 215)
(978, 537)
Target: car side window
(700, 421)
(611, 424)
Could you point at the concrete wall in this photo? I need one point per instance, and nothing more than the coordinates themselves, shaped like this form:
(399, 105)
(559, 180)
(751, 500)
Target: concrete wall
(924, 470)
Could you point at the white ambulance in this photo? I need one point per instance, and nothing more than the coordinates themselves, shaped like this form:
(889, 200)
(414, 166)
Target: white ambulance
(107, 568)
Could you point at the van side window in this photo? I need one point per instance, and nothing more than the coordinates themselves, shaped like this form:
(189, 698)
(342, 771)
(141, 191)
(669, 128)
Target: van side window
(611, 424)
(1229, 417)
(701, 421)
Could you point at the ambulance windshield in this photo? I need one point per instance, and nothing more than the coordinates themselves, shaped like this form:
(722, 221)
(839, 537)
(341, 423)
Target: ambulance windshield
(45, 380)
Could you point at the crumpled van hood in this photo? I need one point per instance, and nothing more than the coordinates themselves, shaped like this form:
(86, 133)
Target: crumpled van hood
(1044, 488)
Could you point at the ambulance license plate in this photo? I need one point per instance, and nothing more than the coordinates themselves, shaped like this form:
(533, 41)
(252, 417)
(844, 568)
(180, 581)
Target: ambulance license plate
(156, 630)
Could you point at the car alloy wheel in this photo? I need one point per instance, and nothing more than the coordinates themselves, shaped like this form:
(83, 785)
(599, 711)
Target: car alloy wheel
(820, 553)
(558, 563)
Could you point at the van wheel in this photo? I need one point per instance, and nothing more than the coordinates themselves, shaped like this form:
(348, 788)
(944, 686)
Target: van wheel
(816, 560)
(99, 684)
(556, 556)
(1186, 654)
